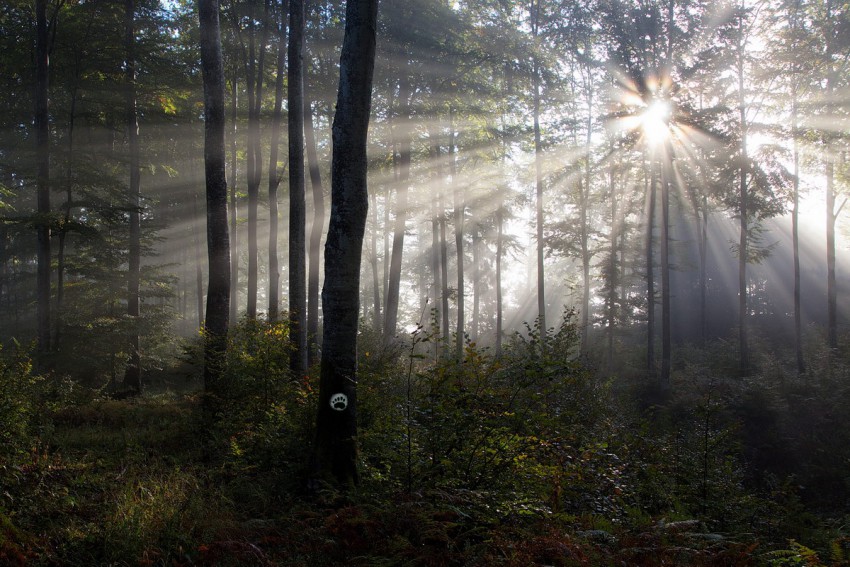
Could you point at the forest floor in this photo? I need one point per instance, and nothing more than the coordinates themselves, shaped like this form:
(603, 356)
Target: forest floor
(126, 483)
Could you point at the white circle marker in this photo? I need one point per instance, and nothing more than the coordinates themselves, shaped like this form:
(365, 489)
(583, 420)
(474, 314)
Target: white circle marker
(339, 402)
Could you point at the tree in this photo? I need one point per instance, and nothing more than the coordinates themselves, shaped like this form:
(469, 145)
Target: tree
(274, 178)
(218, 244)
(335, 453)
(42, 130)
(132, 375)
(297, 207)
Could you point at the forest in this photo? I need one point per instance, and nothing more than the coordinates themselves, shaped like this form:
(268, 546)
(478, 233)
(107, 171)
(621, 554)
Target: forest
(424, 282)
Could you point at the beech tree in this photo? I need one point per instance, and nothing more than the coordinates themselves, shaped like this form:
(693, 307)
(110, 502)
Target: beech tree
(335, 450)
(297, 206)
(42, 129)
(218, 244)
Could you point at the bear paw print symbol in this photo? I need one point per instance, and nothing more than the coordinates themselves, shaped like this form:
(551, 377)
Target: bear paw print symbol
(339, 402)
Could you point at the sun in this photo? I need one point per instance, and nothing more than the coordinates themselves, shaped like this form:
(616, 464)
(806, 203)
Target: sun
(655, 122)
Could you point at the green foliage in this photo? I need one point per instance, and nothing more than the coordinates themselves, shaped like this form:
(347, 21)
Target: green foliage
(24, 401)
(264, 414)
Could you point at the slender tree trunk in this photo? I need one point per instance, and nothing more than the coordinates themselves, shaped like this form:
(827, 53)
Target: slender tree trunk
(218, 246)
(459, 214)
(499, 253)
(132, 375)
(476, 280)
(297, 195)
(650, 274)
(743, 252)
(336, 425)
(611, 299)
(437, 287)
(234, 217)
(315, 236)
(373, 261)
(199, 275)
(400, 224)
(42, 136)
(538, 175)
(254, 73)
(666, 180)
(795, 211)
(63, 232)
(274, 178)
(444, 268)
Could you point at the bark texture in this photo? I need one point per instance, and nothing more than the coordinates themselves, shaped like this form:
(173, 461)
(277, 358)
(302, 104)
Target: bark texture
(218, 244)
(335, 456)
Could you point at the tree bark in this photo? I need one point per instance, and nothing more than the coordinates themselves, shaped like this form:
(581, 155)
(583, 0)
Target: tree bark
(400, 221)
(666, 179)
(538, 175)
(335, 453)
(42, 137)
(234, 218)
(297, 206)
(315, 244)
(254, 72)
(218, 245)
(650, 275)
(274, 178)
(743, 338)
(132, 375)
(459, 208)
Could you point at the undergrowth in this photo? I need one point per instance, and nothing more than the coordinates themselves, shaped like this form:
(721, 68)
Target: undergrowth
(528, 458)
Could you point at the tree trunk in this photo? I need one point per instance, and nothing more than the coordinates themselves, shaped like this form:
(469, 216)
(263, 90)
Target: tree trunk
(611, 299)
(42, 136)
(199, 275)
(315, 236)
(459, 207)
(650, 275)
(254, 79)
(373, 261)
(538, 175)
(743, 338)
(476, 280)
(499, 253)
(218, 246)
(795, 211)
(336, 426)
(234, 218)
(297, 206)
(132, 375)
(666, 180)
(444, 268)
(274, 178)
(400, 224)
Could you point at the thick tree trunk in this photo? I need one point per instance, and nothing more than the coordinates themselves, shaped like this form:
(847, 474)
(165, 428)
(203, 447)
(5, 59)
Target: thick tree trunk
(132, 375)
(274, 178)
(218, 245)
(42, 137)
(400, 223)
(297, 206)
(336, 425)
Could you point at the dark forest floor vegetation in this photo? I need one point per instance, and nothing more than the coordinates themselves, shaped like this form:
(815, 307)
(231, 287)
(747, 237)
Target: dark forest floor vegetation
(531, 459)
